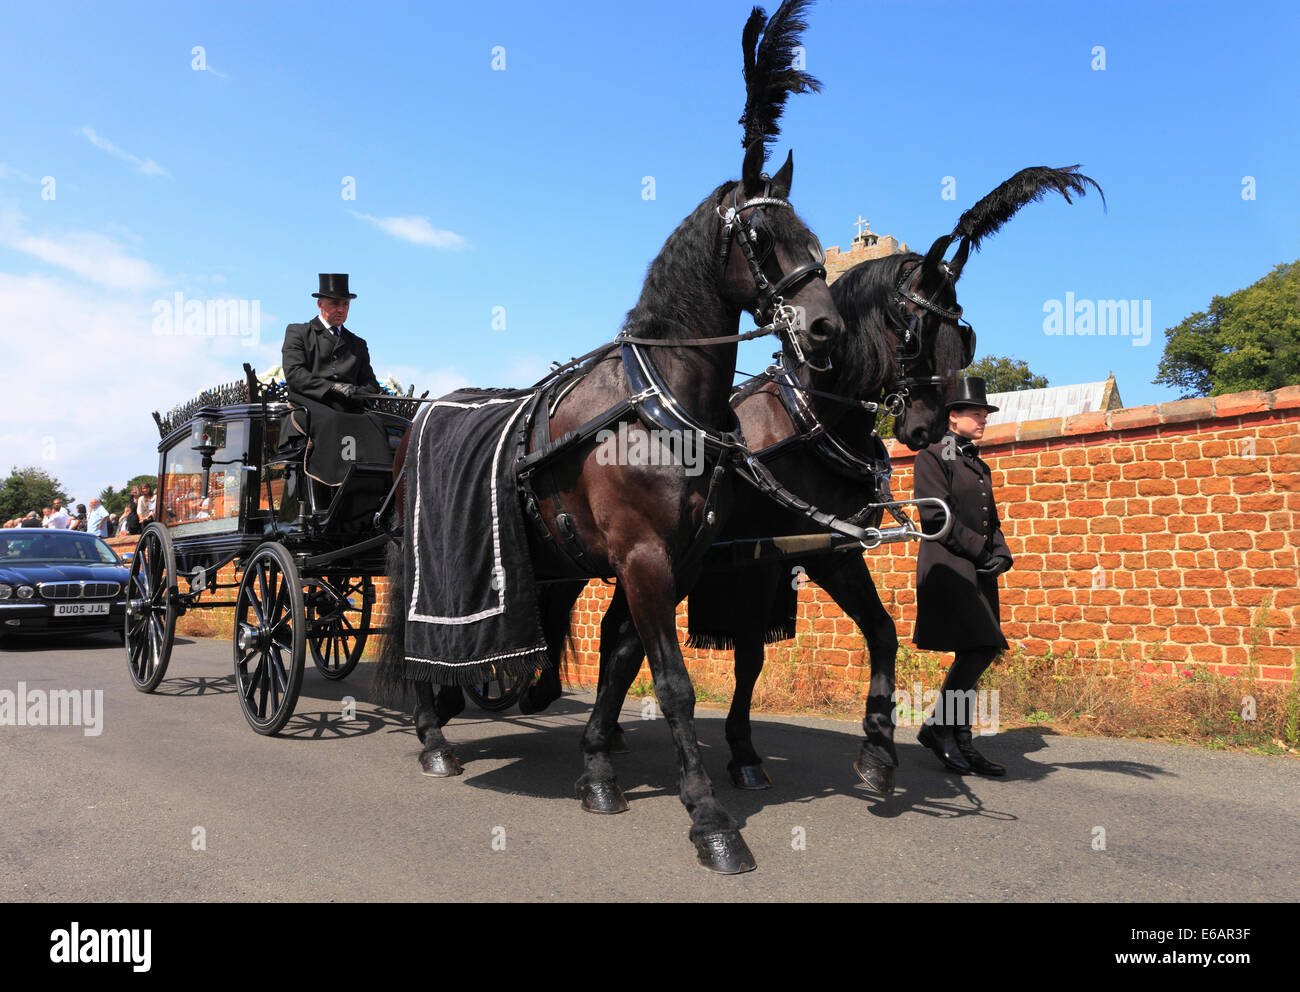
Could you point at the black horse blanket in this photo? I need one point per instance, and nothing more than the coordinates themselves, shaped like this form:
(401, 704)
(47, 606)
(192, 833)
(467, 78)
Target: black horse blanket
(721, 607)
(472, 600)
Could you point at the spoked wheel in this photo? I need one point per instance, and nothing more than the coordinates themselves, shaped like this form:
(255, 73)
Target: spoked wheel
(270, 638)
(150, 623)
(338, 617)
(500, 692)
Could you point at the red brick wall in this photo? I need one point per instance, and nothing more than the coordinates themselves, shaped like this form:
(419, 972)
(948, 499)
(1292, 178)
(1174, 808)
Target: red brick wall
(1190, 509)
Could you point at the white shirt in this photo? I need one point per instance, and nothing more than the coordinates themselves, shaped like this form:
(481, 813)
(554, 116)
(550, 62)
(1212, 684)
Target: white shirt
(332, 330)
(144, 506)
(58, 520)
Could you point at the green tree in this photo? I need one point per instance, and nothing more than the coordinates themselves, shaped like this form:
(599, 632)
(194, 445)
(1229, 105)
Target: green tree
(1005, 375)
(114, 500)
(1249, 339)
(27, 489)
(140, 480)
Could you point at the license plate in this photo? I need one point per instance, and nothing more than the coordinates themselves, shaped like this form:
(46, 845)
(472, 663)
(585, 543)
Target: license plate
(79, 609)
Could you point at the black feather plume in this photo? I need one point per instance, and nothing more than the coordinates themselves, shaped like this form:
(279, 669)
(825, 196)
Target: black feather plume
(770, 73)
(1026, 186)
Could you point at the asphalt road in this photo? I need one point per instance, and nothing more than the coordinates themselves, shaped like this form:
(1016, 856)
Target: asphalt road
(337, 810)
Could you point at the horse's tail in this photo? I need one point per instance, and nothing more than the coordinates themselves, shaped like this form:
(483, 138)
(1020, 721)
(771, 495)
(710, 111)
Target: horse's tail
(390, 687)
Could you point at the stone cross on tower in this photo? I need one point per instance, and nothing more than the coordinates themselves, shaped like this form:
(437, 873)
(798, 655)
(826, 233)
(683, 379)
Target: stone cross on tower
(861, 223)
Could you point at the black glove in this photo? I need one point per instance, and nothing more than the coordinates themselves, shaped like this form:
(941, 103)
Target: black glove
(993, 565)
(344, 389)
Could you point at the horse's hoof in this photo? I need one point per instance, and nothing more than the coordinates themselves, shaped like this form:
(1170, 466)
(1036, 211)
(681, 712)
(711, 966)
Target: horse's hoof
(602, 797)
(725, 852)
(749, 777)
(879, 777)
(537, 698)
(440, 764)
(618, 743)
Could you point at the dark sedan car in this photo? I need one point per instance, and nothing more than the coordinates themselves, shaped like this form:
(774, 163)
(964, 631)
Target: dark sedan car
(59, 581)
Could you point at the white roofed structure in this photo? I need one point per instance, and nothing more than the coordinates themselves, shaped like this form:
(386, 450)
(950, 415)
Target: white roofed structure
(1054, 401)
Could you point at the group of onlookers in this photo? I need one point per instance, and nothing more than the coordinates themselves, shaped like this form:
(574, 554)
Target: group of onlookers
(140, 510)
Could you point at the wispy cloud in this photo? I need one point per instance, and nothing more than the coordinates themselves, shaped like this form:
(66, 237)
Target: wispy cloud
(88, 254)
(416, 230)
(145, 166)
(9, 172)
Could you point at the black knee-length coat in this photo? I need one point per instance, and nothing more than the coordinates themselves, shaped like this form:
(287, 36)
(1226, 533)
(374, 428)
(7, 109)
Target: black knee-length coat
(955, 608)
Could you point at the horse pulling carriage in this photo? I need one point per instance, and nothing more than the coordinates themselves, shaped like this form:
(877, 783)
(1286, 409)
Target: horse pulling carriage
(802, 436)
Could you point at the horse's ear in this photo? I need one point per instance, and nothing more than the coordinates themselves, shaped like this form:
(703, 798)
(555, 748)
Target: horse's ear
(934, 256)
(752, 173)
(783, 178)
(959, 260)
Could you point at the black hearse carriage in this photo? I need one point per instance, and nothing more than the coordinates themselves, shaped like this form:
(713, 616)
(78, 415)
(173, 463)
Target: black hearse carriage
(305, 555)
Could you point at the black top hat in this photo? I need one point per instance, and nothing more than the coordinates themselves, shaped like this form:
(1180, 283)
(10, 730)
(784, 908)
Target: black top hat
(970, 392)
(334, 286)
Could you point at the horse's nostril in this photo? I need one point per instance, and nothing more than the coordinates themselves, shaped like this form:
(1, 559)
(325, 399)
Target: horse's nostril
(823, 329)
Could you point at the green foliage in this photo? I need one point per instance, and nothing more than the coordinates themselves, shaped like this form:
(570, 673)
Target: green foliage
(140, 480)
(114, 500)
(28, 488)
(1249, 339)
(1005, 374)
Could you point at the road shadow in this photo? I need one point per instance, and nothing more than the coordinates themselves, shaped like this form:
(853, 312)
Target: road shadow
(98, 640)
(188, 685)
(543, 760)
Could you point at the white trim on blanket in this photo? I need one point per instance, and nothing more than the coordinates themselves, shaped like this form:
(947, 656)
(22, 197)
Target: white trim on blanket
(501, 656)
(500, 572)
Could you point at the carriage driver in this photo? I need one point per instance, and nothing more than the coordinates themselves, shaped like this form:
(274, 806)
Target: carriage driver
(957, 578)
(327, 368)
(323, 359)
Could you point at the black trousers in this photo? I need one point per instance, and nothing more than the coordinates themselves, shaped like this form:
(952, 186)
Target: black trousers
(965, 672)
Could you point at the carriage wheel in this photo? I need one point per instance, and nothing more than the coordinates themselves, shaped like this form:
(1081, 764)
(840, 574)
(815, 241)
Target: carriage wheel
(500, 692)
(149, 627)
(270, 639)
(338, 616)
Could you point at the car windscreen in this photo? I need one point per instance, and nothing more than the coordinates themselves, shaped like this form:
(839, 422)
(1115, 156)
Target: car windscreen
(30, 547)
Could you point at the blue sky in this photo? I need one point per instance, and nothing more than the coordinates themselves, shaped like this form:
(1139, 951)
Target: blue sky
(522, 188)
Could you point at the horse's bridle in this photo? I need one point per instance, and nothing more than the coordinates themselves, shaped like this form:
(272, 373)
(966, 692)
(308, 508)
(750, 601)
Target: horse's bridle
(909, 347)
(771, 307)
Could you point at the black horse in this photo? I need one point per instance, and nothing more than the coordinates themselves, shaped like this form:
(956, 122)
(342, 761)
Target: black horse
(903, 333)
(743, 248)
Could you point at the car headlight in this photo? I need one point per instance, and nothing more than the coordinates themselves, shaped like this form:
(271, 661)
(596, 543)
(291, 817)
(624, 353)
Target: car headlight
(6, 590)
(26, 592)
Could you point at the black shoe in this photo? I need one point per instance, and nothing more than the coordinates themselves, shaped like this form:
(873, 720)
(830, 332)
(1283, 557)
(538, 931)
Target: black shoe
(979, 764)
(939, 740)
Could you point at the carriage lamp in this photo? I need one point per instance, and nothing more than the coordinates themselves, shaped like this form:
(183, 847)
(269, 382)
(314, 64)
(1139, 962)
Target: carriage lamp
(6, 590)
(206, 437)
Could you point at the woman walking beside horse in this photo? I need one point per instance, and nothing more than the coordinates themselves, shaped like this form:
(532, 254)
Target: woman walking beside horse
(957, 577)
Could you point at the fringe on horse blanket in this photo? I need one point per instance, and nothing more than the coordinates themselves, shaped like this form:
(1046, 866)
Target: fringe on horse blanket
(473, 603)
(718, 610)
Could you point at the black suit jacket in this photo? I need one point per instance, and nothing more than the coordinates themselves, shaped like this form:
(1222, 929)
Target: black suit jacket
(315, 358)
(955, 607)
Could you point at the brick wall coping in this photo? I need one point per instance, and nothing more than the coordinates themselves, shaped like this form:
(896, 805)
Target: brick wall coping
(1130, 418)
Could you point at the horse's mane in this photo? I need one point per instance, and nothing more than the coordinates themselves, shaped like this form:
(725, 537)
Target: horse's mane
(686, 261)
(865, 356)
(681, 282)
